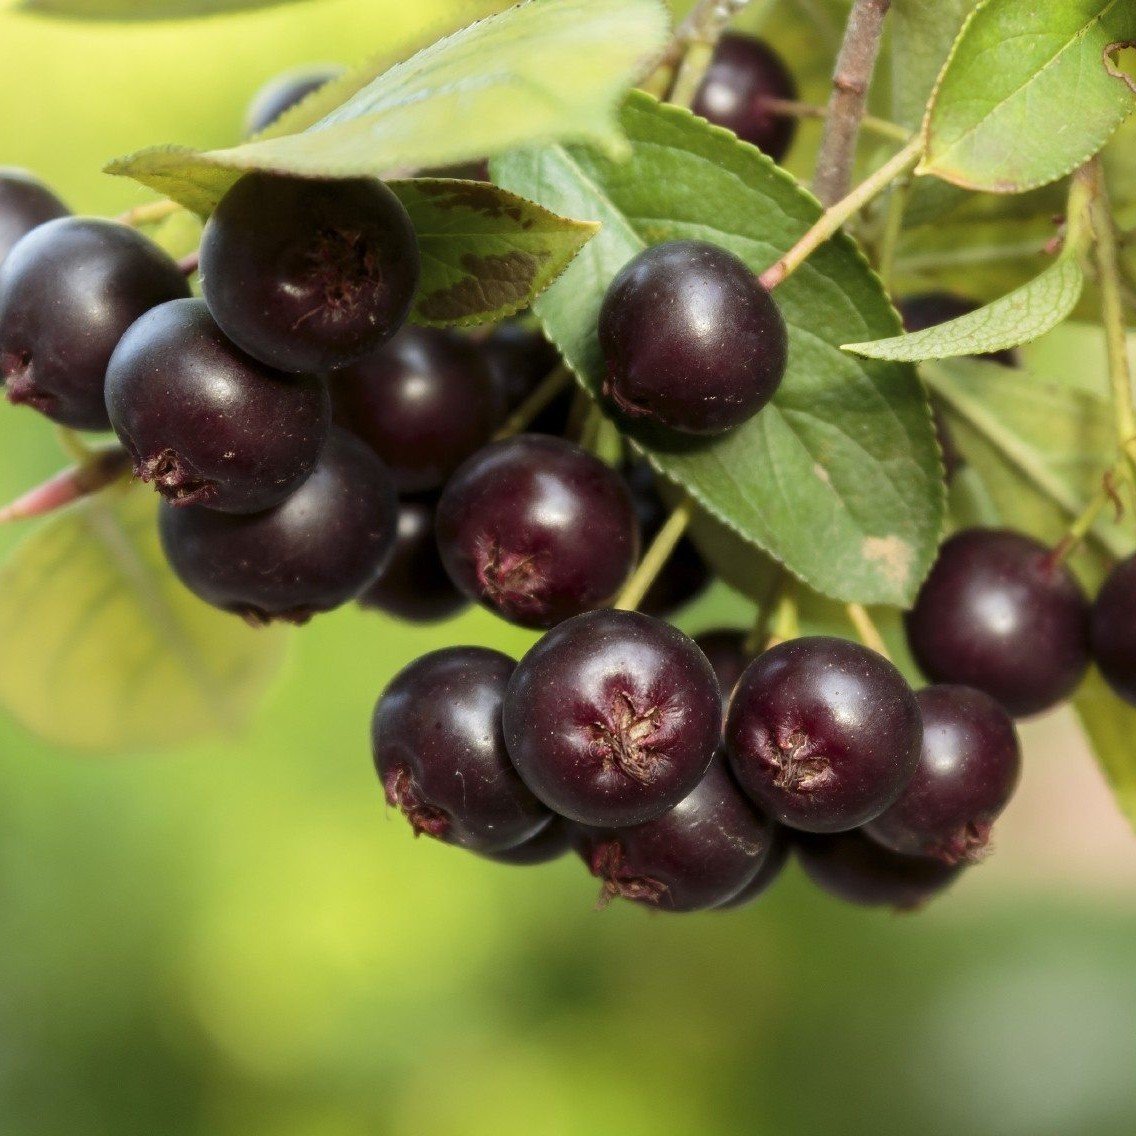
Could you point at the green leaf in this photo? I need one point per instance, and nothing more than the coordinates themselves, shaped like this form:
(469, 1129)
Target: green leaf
(922, 33)
(1021, 317)
(543, 70)
(1029, 93)
(1040, 449)
(103, 647)
(839, 477)
(1111, 725)
(486, 253)
(123, 11)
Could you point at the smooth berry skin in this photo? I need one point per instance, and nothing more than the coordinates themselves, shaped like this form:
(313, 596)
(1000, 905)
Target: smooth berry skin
(25, 204)
(206, 423)
(424, 403)
(726, 651)
(998, 614)
(929, 309)
(518, 358)
(438, 749)
(551, 843)
(822, 733)
(284, 92)
(766, 876)
(537, 529)
(851, 867)
(691, 340)
(414, 585)
(612, 718)
(319, 549)
(697, 855)
(308, 275)
(68, 292)
(1113, 630)
(968, 769)
(743, 73)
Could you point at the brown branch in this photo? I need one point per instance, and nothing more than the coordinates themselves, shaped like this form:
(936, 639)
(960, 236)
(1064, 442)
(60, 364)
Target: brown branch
(850, 82)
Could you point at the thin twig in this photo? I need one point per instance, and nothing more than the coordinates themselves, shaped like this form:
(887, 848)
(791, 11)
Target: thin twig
(98, 470)
(835, 216)
(656, 556)
(850, 82)
(791, 108)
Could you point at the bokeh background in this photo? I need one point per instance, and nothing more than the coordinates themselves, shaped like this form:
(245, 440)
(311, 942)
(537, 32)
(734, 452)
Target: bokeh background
(237, 940)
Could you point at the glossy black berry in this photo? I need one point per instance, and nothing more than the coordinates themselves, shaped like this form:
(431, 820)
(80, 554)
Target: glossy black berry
(743, 74)
(1114, 630)
(519, 358)
(685, 575)
(414, 585)
(691, 339)
(726, 650)
(853, 868)
(968, 770)
(552, 842)
(309, 275)
(929, 309)
(823, 733)
(436, 739)
(612, 718)
(68, 292)
(998, 614)
(320, 548)
(767, 875)
(537, 529)
(699, 854)
(25, 203)
(283, 92)
(206, 423)
(423, 403)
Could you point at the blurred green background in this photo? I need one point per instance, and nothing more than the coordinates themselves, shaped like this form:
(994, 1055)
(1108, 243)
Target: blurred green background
(237, 940)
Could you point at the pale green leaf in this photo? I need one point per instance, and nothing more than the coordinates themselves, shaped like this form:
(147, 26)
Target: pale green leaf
(543, 70)
(1110, 724)
(123, 11)
(486, 253)
(839, 477)
(1021, 317)
(921, 34)
(105, 650)
(1030, 93)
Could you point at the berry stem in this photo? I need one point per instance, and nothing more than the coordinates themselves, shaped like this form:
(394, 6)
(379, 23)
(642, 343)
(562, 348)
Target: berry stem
(758, 635)
(1083, 525)
(72, 444)
(834, 217)
(681, 69)
(100, 469)
(786, 616)
(149, 214)
(794, 109)
(866, 629)
(545, 392)
(190, 263)
(656, 556)
(851, 79)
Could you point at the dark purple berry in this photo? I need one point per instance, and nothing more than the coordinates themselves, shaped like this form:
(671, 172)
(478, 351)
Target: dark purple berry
(1114, 630)
(537, 529)
(68, 292)
(552, 842)
(414, 585)
(929, 309)
(612, 718)
(766, 876)
(685, 575)
(857, 870)
(691, 339)
(699, 854)
(967, 772)
(423, 403)
(25, 203)
(283, 93)
(206, 423)
(320, 548)
(436, 738)
(727, 653)
(743, 74)
(823, 733)
(309, 275)
(519, 359)
(997, 613)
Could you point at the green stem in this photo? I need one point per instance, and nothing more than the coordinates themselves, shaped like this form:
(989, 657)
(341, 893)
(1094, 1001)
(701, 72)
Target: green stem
(656, 556)
(548, 389)
(149, 214)
(893, 230)
(836, 215)
(1083, 525)
(71, 442)
(975, 255)
(880, 126)
(866, 629)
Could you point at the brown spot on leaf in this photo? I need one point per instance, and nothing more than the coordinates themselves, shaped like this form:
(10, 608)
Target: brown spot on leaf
(891, 555)
(490, 284)
(478, 196)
